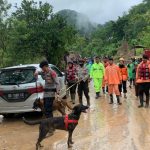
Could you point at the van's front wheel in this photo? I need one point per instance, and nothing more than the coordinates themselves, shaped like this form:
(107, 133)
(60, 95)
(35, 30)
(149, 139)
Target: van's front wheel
(8, 115)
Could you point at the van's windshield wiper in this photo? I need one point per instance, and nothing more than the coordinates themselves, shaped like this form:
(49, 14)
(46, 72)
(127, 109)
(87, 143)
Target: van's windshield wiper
(15, 83)
(9, 83)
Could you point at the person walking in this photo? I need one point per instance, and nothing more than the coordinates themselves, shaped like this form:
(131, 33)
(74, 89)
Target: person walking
(143, 80)
(136, 85)
(113, 79)
(131, 72)
(88, 64)
(124, 77)
(105, 63)
(97, 74)
(52, 87)
(71, 79)
(83, 78)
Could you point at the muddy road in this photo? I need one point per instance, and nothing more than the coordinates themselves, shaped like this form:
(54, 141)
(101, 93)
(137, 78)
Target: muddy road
(104, 127)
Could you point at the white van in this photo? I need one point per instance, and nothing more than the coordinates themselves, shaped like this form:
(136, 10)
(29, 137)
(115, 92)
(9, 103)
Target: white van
(19, 88)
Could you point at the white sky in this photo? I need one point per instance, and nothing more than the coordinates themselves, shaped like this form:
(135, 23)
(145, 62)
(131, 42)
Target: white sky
(99, 11)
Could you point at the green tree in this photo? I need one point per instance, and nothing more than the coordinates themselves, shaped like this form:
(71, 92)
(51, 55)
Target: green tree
(4, 7)
(37, 32)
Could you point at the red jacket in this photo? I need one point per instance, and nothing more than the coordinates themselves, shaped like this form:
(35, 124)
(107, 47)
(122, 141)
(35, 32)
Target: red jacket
(138, 78)
(71, 74)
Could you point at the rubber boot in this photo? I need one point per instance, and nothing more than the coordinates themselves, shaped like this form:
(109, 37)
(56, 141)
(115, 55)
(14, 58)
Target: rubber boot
(147, 102)
(71, 95)
(103, 90)
(73, 98)
(111, 99)
(80, 100)
(141, 101)
(88, 102)
(97, 95)
(118, 99)
(125, 96)
(107, 89)
(50, 132)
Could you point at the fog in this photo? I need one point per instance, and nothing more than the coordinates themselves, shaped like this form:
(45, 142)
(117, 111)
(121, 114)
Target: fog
(98, 11)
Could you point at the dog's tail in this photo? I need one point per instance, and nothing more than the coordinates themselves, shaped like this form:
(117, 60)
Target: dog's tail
(31, 122)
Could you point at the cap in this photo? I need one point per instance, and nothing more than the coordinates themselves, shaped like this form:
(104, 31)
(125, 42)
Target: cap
(121, 59)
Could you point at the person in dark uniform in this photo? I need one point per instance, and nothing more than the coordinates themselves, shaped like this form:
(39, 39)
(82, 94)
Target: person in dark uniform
(52, 87)
(83, 77)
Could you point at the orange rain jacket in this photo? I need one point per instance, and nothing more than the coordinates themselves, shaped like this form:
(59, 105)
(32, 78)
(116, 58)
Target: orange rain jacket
(112, 74)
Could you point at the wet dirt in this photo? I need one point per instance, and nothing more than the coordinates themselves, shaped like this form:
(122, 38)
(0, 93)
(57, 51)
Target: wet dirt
(104, 127)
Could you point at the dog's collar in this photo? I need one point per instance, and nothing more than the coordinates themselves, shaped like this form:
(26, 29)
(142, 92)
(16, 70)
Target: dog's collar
(67, 121)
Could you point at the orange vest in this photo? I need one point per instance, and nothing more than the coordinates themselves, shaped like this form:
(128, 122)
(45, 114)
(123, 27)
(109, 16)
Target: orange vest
(124, 73)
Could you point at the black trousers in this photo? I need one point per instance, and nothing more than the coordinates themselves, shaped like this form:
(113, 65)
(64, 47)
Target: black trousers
(48, 106)
(72, 89)
(143, 89)
(83, 87)
(123, 86)
(136, 90)
(132, 81)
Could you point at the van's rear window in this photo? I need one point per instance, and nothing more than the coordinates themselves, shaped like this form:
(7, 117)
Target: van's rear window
(17, 76)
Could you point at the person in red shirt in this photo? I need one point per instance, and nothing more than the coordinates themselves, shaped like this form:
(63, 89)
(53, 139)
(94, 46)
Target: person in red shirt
(113, 79)
(71, 79)
(143, 80)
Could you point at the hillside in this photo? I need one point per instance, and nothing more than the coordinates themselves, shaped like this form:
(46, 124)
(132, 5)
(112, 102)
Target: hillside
(133, 27)
(79, 21)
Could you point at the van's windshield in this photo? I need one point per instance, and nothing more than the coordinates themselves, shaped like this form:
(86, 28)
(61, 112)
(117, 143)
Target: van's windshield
(17, 76)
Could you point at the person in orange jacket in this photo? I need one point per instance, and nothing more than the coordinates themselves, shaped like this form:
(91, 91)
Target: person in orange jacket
(124, 77)
(143, 80)
(113, 79)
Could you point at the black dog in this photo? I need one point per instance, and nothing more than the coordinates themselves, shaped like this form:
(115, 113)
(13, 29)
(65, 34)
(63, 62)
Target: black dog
(69, 123)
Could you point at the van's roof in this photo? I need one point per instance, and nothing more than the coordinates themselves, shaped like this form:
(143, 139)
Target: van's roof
(26, 65)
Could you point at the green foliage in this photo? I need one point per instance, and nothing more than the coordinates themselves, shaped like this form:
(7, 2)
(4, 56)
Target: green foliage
(139, 51)
(145, 37)
(35, 32)
(4, 37)
(134, 27)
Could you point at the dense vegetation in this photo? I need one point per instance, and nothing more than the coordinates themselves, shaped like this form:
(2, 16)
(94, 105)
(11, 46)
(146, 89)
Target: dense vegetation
(133, 27)
(34, 32)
